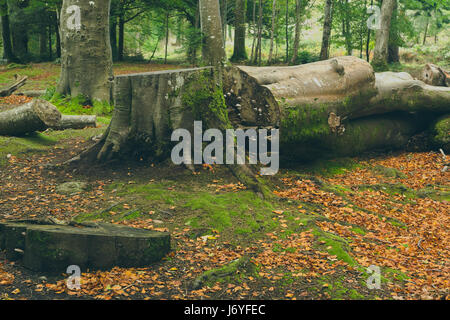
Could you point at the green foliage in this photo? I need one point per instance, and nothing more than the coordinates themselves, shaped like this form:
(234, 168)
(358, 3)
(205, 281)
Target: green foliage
(77, 105)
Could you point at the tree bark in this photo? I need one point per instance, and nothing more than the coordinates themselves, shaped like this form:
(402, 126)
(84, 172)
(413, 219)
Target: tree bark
(380, 58)
(213, 49)
(327, 22)
(240, 52)
(86, 51)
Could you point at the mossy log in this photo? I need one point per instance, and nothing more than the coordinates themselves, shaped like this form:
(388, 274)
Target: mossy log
(306, 95)
(317, 103)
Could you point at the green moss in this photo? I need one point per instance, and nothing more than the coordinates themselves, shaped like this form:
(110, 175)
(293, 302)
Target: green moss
(302, 123)
(335, 246)
(204, 97)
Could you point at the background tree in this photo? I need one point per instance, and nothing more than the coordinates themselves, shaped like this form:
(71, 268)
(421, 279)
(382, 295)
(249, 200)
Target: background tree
(327, 24)
(240, 51)
(86, 62)
(380, 58)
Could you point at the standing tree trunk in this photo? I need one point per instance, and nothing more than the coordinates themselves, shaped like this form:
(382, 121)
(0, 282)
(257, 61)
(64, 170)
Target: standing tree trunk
(254, 31)
(287, 31)
(86, 50)
(327, 22)
(19, 28)
(121, 37)
(224, 13)
(213, 49)
(272, 33)
(382, 38)
(393, 48)
(257, 58)
(43, 43)
(58, 36)
(298, 24)
(167, 37)
(50, 44)
(426, 31)
(113, 37)
(6, 33)
(240, 52)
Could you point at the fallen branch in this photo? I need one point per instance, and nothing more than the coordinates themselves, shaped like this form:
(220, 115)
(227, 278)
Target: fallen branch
(20, 82)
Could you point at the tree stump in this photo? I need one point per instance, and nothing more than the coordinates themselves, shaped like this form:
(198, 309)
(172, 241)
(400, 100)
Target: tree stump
(47, 247)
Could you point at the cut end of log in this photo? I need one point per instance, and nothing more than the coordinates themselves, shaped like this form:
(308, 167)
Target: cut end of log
(47, 112)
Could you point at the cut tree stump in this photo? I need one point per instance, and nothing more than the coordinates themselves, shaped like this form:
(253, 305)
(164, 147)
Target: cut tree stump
(150, 106)
(48, 247)
(9, 90)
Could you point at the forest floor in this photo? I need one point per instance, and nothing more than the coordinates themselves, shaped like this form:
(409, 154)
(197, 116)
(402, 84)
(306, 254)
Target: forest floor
(326, 224)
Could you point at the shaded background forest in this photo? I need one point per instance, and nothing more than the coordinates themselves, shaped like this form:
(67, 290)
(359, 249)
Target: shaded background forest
(276, 31)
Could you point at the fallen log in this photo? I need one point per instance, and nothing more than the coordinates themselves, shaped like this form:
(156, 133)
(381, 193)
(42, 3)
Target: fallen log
(32, 93)
(10, 89)
(40, 115)
(37, 115)
(75, 122)
(435, 76)
(302, 98)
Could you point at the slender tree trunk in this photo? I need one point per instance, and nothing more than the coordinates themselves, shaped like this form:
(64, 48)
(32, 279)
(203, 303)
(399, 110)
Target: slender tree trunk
(43, 43)
(240, 52)
(224, 13)
(50, 44)
(113, 37)
(86, 64)
(120, 53)
(298, 24)
(287, 31)
(426, 31)
(19, 28)
(393, 48)
(272, 32)
(327, 22)
(369, 32)
(6, 33)
(254, 31)
(382, 39)
(213, 49)
(167, 37)
(260, 27)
